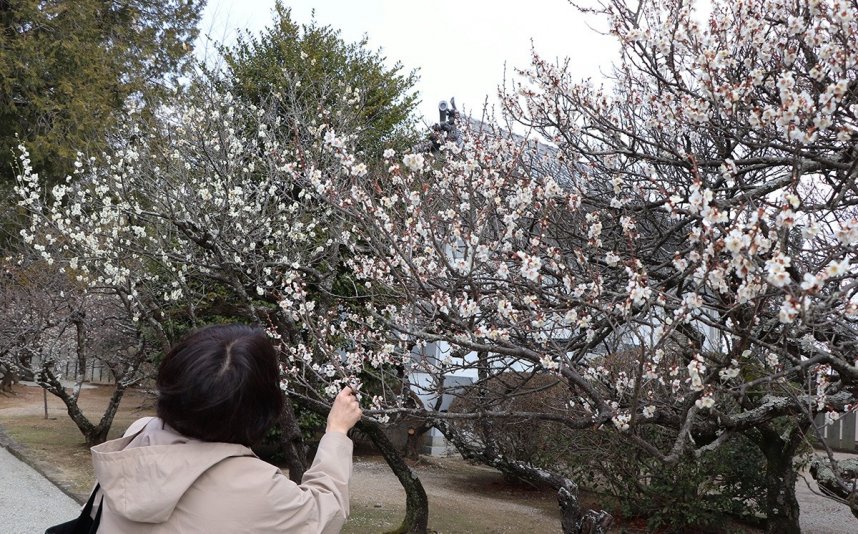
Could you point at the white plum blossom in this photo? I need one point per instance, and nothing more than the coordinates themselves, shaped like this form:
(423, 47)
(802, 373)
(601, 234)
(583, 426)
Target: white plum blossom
(692, 301)
(696, 368)
(505, 308)
(810, 282)
(705, 402)
(837, 268)
(414, 162)
(772, 360)
(789, 310)
(621, 421)
(549, 363)
(530, 265)
(776, 268)
(848, 234)
(736, 241)
(611, 259)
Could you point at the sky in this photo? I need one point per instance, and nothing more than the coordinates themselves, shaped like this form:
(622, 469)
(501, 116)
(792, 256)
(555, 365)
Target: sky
(461, 48)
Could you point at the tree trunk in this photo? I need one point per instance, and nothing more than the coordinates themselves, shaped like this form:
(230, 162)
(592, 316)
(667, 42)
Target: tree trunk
(97, 436)
(412, 442)
(80, 338)
(782, 509)
(416, 502)
(94, 434)
(8, 378)
(83, 424)
(570, 509)
(99, 433)
(292, 443)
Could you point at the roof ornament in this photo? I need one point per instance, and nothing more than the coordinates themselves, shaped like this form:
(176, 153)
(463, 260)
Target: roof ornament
(444, 131)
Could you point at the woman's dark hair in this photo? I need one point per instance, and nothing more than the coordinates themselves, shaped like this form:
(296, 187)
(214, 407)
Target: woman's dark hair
(220, 383)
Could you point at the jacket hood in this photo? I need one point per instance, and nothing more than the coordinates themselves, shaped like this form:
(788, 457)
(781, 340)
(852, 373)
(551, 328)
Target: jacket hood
(144, 474)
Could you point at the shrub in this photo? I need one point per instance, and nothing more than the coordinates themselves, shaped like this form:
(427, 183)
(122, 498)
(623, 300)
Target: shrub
(696, 491)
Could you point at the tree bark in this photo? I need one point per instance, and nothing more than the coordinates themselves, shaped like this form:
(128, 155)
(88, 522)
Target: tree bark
(840, 482)
(416, 502)
(80, 338)
(94, 434)
(292, 443)
(8, 378)
(99, 434)
(782, 509)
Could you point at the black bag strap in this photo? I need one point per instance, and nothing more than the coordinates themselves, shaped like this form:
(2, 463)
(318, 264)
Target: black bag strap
(89, 503)
(95, 522)
(87, 510)
(84, 523)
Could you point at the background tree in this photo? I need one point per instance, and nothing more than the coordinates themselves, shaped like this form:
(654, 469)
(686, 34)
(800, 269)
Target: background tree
(154, 240)
(68, 67)
(321, 68)
(55, 328)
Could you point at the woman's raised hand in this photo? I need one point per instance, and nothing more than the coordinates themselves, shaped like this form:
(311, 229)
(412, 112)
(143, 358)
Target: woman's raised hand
(345, 412)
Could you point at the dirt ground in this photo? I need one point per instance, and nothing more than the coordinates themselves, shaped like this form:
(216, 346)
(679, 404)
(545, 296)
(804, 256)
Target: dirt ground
(462, 497)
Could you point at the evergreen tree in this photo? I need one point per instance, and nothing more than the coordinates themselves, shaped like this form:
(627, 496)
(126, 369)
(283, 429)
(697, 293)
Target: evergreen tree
(68, 66)
(320, 67)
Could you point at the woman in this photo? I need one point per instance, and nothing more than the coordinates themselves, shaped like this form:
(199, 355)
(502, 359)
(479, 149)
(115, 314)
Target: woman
(191, 469)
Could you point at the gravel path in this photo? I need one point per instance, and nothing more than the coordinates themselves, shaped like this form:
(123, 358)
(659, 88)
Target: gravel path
(28, 501)
(819, 514)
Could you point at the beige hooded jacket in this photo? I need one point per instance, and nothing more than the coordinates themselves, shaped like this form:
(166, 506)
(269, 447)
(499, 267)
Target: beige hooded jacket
(155, 480)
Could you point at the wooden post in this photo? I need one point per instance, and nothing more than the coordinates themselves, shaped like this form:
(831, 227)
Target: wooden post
(45, 398)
